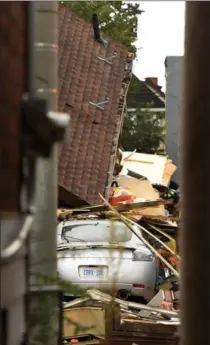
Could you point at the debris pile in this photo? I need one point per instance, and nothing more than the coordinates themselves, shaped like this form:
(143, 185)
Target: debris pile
(144, 177)
(141, 197)
(141, 193)
(149, 322)
(147, 178)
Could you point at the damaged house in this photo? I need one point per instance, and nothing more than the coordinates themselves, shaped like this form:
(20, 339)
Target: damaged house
(142, 92)
(94, 76)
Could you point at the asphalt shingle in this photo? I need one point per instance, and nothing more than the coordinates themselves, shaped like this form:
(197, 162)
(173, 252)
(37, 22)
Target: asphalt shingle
(84, 162)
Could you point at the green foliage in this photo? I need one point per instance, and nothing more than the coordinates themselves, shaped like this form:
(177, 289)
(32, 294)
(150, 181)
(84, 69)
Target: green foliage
(117, 19)
(143, 130)
(133, 84)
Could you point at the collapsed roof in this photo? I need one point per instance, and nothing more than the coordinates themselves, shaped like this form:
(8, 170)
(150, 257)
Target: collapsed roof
(86, 161)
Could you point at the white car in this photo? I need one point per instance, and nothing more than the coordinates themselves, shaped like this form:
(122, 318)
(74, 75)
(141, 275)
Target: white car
(105, 255)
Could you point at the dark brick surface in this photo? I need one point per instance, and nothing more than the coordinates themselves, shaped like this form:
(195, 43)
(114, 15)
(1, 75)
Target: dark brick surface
(13, 77)
(84, 161)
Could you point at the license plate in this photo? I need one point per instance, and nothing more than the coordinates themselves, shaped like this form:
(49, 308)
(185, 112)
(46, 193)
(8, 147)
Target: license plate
(93, 272)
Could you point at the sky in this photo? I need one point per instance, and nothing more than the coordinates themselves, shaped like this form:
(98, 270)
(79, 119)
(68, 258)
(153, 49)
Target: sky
(160, 34)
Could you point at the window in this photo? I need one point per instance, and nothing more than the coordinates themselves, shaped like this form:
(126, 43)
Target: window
(96, 232)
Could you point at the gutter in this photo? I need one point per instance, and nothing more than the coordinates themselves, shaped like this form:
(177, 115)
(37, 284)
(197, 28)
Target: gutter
(119, 125)
(152, 110)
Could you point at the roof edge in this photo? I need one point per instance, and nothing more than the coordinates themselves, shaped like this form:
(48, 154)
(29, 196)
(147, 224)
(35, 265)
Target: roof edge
(70, 198)
(121, 110)
(156, 93)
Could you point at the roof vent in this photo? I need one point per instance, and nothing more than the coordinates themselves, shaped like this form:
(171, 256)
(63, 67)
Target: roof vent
(96, 29)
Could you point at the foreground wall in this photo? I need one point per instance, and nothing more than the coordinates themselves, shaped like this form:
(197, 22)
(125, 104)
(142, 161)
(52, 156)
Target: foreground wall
(173, 65)
(13, 270)
(13, 287)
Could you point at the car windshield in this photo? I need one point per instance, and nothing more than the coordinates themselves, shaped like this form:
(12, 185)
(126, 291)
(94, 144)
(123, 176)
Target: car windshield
(96, 232)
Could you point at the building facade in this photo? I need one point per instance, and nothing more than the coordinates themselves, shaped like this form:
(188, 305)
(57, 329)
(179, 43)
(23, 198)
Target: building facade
(173, 67)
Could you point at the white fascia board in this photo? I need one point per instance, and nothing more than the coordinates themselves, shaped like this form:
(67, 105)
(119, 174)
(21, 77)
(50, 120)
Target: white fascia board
(153, 110)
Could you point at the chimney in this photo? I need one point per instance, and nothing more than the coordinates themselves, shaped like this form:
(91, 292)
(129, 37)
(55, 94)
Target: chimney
(152, 80)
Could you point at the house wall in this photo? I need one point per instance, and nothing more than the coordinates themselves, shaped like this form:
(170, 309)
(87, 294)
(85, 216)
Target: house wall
(173, 66)
(13, 38)
(13, 289)
(13, 271)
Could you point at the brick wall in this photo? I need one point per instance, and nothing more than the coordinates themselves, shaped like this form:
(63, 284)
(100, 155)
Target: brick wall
(13, 65)
(13, 42)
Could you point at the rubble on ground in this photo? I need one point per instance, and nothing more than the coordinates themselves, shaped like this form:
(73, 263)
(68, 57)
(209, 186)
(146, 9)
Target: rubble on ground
(103, 317)
(140, 194)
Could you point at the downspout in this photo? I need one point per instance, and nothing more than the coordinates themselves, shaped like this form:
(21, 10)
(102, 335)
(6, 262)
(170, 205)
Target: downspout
(43, 306)
(43, 249)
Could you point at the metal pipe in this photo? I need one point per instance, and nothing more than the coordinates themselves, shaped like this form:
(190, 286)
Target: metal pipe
(96, 28)
(195, 181)
(102, 297)
(43, 248)
(12, 249)
(27, 194)
(43, 238)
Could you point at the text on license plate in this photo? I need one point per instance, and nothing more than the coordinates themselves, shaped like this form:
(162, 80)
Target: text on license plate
(93, 272)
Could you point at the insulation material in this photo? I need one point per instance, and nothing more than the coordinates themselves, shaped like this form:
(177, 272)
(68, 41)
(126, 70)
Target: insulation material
(150, 166)
(142, 189)
(121, 196)
(169, 170)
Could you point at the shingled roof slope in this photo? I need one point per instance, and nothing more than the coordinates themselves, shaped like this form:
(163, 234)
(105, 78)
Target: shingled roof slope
(144, 92)
(86, 162)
